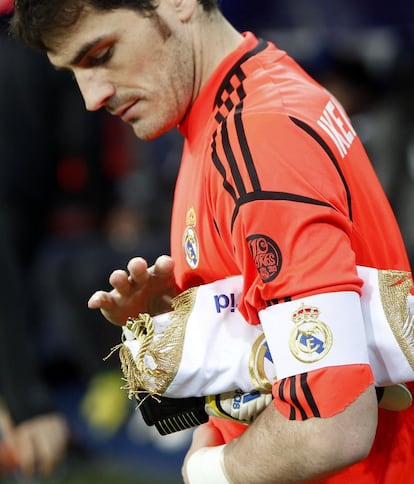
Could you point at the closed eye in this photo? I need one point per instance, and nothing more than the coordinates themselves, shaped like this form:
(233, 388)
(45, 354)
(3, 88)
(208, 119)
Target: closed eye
(98, 59)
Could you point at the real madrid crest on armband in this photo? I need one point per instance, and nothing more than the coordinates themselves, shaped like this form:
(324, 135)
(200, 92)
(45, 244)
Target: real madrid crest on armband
(190, 240)
(310, 339)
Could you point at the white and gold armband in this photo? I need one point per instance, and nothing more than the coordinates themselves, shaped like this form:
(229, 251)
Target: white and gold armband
(315, 332)
(205, 347)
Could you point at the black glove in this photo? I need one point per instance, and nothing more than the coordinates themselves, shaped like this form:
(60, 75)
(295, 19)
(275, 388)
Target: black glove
(174, 414)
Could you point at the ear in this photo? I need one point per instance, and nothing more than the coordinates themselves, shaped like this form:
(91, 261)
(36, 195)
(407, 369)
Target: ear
(185, 8)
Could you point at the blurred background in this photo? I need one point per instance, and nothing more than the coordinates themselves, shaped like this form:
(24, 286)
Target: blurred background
(80, 195)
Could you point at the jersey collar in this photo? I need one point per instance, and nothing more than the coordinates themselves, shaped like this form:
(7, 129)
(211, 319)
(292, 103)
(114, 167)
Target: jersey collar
(197, 116)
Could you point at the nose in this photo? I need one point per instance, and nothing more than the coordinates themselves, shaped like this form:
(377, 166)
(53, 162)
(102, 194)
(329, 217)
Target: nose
(95, 90)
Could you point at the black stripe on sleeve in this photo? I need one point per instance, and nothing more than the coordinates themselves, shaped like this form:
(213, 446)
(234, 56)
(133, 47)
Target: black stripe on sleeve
(294, 398)
(265, 195)
(308, 394)
(272, 302)
(292, 415)
(309, 130)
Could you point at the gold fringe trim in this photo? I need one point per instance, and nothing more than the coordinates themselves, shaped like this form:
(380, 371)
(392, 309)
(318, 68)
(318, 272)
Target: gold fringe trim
(394, 288)
(160, 354)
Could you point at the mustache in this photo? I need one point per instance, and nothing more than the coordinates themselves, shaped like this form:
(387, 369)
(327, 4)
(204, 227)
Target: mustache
(113, 104)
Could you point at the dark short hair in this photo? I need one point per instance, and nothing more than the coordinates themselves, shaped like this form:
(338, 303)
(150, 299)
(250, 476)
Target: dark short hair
(38, 23)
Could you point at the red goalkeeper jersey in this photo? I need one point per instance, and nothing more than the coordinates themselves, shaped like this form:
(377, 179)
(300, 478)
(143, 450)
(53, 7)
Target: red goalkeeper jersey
(275, 185)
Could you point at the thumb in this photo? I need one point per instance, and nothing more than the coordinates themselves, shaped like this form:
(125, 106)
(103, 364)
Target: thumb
(206, 435)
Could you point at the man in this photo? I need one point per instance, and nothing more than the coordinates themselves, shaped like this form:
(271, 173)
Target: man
(274, 185)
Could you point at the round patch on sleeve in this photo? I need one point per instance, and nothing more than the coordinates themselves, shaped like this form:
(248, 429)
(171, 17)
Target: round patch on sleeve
(266, 255)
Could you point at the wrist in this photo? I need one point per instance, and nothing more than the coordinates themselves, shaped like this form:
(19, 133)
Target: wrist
(206, 465)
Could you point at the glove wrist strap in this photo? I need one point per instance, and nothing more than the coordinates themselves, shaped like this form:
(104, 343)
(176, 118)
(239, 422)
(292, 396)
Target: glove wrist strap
(206, 465)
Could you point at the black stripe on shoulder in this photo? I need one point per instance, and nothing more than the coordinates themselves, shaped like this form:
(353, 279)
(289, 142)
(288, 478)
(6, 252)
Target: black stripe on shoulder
(244, 146)
(231, 159)
(220, 167)
(265, 195)
(308, 394)
(237, 72)
(229, 98)
(308, 129)
(229, 146)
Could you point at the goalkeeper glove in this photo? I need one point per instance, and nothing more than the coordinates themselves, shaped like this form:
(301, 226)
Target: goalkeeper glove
(174, 414)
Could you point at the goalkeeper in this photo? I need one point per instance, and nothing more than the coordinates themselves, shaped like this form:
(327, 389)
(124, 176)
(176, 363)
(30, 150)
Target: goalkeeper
(274, 185)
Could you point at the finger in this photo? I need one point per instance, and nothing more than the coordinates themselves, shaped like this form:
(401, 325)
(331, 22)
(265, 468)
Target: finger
(101, 300)
(167, 300)
(43, 442)
(50, 450)
(6, 424)
(163, 267)
(206, 435)
(122, 282)
(25, 452)
(106, 300)
(138, 271)
(46, 456)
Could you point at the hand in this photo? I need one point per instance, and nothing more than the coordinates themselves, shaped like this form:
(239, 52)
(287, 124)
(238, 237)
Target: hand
(38, 444)
(140, 289)
(206, 435)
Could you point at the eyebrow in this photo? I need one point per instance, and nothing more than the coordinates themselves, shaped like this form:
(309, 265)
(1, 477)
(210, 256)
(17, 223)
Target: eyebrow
(81, 53)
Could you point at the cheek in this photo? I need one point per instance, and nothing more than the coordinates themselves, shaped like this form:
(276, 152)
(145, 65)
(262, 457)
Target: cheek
(180, 66)
(183, 82)
(173, 92)
(182, 87)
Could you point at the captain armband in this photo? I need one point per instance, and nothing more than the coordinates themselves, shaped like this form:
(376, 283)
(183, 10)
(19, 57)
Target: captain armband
(315, 332)
(341, 328)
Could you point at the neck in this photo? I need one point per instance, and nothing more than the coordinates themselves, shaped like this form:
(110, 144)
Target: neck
(214, 39)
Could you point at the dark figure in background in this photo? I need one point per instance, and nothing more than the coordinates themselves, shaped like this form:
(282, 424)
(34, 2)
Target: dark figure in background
(33, 432)
(32, 429)
(54, 194)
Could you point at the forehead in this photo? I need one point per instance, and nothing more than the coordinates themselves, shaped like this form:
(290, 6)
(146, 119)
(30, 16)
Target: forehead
(94, 26)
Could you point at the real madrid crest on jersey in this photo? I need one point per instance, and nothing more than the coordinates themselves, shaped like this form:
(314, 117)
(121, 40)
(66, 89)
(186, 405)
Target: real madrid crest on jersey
(190, 240)
(310, 339)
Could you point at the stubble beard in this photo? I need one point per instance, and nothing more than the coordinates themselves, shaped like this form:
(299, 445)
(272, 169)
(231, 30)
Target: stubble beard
(177, 77)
